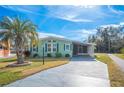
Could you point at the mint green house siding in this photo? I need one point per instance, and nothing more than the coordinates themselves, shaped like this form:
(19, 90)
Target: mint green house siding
(52, 46)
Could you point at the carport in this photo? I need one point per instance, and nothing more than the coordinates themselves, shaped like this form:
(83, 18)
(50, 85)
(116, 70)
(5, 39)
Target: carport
(83, 49)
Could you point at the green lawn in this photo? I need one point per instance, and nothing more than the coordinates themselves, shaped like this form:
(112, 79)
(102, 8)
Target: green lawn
(120, 55)
(10, 74)
(115, 74)
(8, 59)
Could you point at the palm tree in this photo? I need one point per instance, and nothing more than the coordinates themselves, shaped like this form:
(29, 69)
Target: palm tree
(18, 33)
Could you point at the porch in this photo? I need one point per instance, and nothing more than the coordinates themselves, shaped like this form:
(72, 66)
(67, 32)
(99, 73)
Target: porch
(83, 49)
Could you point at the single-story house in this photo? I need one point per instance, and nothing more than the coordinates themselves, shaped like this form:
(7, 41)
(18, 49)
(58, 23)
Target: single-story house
(49, 46)
(4, 51)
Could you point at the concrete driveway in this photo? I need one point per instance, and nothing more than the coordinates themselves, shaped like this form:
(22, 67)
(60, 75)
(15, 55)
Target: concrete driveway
(73, 74)
(84, 58)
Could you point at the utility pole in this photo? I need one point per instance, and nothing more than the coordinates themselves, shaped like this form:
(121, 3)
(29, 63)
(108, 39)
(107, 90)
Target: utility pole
(109, 45)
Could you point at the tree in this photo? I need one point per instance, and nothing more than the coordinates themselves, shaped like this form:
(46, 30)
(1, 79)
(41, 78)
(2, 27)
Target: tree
(109, 38)
(122, 50)
(19, 33)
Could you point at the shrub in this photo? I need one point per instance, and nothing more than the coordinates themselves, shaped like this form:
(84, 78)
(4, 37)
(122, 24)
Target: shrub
(67, 55)
(35, 55)
(49, 55)
(95, 56)
(122, 50)
(27, 53)
(58, 55)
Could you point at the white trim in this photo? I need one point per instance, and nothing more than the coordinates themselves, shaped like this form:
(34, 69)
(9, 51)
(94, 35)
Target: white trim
(50, 48)
(55, 38)
(51, 43)
(55, 47)
(69, 47)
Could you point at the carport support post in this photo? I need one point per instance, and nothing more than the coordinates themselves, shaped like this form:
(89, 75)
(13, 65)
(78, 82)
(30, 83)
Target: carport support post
(43, 55)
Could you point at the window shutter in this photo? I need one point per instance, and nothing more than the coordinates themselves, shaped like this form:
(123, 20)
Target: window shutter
(31, 48)
(57, 47)
(70, 46)
(34, 48)
(45, 47)
(37, 48)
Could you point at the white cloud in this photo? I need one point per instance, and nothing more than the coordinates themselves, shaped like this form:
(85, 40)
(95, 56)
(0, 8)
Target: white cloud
(87, 32)
(79, 13)
(115, 11)
(86, 6)
(79, 35)
(43, 35)
(84, 33)
(113, 25)
(16, 9)
(71, 13)
(20, 9)
(75, 19)
(122, 23)
(67, 17)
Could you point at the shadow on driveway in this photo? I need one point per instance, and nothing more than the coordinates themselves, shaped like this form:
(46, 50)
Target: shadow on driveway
(82, 59)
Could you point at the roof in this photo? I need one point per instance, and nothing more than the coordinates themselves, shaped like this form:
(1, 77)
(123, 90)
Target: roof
(58, 38)
(3, 30)
(81, 43)
(65, 39)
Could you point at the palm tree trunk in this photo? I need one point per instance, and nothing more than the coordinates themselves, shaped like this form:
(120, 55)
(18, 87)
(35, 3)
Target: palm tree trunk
(20, 59)
(19, 51)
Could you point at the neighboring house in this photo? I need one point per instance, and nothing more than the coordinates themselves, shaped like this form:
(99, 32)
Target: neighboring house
(52, 45)
(4, 51)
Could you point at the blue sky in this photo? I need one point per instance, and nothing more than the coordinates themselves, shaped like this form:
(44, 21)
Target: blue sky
(72, 22)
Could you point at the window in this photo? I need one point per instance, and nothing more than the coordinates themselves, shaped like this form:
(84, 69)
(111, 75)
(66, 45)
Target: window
(49, 47)
(54, 47)
(67, 47)
(54, 40)
(49, 40)
(35, 48)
